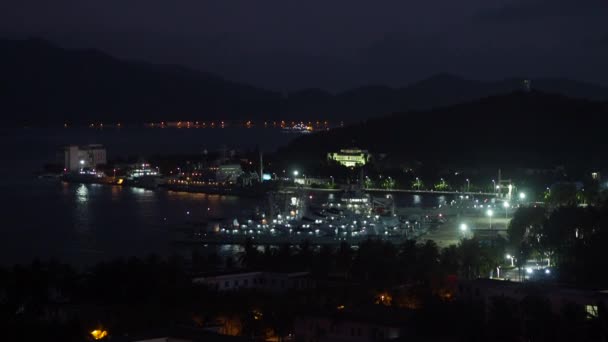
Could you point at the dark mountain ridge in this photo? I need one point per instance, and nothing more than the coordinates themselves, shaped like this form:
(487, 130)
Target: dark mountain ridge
(44, 84)
(527, 129)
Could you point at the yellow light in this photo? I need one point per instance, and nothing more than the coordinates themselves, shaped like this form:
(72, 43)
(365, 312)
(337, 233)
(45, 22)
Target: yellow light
(119, 181)
(257, 315)
(98, 334)
(340, 307)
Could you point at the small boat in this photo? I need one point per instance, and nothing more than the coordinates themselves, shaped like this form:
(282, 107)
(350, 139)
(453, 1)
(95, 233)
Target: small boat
(298, 128)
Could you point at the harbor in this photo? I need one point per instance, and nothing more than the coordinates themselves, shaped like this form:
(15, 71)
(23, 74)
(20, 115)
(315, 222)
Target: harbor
(237, 197)
(348, 216)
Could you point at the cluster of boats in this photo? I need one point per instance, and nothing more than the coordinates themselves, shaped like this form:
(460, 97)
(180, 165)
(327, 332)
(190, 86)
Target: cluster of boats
(352, 216)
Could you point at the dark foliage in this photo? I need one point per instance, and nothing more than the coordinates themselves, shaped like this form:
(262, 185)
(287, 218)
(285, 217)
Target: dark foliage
(517, 130)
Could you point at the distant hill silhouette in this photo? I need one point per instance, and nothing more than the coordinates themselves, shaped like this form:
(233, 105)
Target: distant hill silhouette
(520, 128)
(437, 91)
(42, 83)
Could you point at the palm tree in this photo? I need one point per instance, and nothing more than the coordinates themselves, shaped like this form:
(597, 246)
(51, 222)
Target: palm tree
(249, 256)
(470, 253)
(344, 258)
(304, 256)
(427, 259)
(449, 260)
(407, 255)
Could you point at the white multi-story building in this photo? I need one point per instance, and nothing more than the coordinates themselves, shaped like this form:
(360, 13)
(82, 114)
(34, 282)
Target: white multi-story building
(79, 157)
(261, 281)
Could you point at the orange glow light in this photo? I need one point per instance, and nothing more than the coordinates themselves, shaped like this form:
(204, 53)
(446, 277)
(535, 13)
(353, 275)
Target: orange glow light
(98, 334)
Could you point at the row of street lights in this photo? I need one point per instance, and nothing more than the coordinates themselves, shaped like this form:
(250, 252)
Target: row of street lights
(490, 214)
(522, 195)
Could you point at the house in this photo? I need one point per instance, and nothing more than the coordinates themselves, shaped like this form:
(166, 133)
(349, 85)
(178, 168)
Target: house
(483, 290)
(358, 326)
(79, 157)
(261, 281)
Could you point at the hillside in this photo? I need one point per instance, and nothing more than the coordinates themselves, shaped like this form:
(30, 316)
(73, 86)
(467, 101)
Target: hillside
(517, 129)
(45, 84)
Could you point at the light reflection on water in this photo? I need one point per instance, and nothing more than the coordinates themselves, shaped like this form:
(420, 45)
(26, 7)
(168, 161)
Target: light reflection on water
(441, 200)
(417, 200)
(83, 224)
(82, 194)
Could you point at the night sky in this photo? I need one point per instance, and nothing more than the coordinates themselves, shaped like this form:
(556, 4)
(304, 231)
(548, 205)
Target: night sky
(333, 44)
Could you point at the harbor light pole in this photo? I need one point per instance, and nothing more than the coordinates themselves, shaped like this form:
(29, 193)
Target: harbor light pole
(509, 256)
(490, 213)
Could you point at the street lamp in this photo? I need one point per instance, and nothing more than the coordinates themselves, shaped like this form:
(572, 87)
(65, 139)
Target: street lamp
(463, 227)
(468, 185)
(509, 256)
(490, 213)
(296, 173)
(522, 196)
(506, 205)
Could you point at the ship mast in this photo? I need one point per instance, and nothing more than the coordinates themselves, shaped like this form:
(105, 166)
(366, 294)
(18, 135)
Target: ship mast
(261, 167)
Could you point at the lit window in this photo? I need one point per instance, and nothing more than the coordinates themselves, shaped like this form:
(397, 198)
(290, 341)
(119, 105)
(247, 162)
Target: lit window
(591, 311)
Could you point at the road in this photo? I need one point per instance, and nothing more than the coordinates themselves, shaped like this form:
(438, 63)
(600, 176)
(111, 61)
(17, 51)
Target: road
(450, 233)
(412, 191)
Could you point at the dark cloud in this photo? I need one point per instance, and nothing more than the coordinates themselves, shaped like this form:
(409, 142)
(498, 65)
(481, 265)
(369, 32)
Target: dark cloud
(540, 10)
(288, 44)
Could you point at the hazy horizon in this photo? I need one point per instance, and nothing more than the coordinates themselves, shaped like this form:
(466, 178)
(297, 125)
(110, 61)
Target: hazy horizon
(286, 46)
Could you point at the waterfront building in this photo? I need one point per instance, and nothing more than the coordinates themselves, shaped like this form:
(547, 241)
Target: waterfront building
(80, 157)
(350, 157)
(143, 170)
(261, 281)
(308, 181)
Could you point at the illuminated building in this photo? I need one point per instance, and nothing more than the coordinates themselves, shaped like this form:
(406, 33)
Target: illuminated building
(142, 170)
(228, 173)
(80, 157)
(350, 157)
